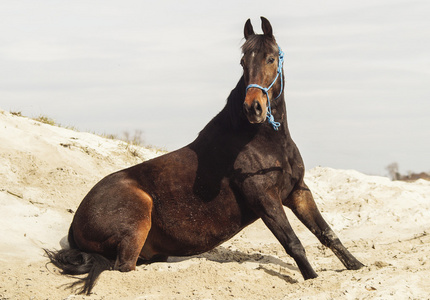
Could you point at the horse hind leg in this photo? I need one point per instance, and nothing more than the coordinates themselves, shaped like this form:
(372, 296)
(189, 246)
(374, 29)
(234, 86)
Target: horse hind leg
(303, 205)
(128, 252)
(131, 244)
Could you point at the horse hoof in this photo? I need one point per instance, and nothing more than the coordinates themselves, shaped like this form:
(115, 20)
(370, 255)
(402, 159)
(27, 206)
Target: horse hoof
(355, 266)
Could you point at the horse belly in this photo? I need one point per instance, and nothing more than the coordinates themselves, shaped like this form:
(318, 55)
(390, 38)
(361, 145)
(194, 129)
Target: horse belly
(191, 226)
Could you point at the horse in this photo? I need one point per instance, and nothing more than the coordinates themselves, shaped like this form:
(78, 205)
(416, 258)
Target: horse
(242, 166)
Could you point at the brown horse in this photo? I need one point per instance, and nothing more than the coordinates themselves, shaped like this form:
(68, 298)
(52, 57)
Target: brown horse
(243, 166)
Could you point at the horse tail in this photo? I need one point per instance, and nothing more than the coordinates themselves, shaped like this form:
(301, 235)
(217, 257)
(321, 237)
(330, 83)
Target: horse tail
(76, 262)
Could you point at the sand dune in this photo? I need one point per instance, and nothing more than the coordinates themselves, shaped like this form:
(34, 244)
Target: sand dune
(45, 171)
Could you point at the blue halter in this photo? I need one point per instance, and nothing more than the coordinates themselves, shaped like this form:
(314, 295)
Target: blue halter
(269, 116)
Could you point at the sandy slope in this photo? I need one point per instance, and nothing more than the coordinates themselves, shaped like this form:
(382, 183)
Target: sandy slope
(45, 171)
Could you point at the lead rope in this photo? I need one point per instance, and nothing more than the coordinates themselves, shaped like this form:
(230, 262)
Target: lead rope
(269, 116)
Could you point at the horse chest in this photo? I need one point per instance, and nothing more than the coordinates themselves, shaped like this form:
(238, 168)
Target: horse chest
(269, 165)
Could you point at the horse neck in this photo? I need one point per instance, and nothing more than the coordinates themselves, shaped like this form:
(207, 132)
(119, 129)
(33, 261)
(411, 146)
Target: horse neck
(233, 120)
(233, 116)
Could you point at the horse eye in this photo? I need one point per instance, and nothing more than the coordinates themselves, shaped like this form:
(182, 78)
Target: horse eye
(271, 60)
(242, 62)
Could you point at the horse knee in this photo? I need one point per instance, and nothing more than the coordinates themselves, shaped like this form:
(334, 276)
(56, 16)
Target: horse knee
(328, 238)
(296, 250)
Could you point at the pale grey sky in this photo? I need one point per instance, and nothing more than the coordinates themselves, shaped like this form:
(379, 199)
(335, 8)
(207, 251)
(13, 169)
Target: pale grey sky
(358, 72)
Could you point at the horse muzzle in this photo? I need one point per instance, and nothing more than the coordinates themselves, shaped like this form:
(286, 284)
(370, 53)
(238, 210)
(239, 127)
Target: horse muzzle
(255, 108)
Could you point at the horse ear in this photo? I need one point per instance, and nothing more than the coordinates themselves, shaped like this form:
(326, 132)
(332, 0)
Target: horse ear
(248, 31)
(267, 28)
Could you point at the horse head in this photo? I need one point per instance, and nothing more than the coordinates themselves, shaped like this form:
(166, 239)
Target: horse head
(262, 62)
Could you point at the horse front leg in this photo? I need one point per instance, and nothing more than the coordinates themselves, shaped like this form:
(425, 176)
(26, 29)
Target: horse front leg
(302, 203)
(271, 211)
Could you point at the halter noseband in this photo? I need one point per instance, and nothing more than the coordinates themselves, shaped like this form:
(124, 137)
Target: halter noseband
(269, 116)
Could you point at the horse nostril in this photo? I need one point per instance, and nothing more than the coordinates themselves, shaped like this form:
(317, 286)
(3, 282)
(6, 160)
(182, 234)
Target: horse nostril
(254, 109)
(257, 108)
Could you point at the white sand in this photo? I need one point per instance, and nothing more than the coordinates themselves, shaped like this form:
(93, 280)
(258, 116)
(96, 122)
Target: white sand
(45, 172)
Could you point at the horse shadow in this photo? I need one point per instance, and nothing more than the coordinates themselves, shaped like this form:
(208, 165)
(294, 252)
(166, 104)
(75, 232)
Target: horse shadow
(226, 255)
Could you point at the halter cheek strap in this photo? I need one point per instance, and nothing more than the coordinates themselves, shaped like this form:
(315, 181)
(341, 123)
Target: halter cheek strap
(269, 115)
